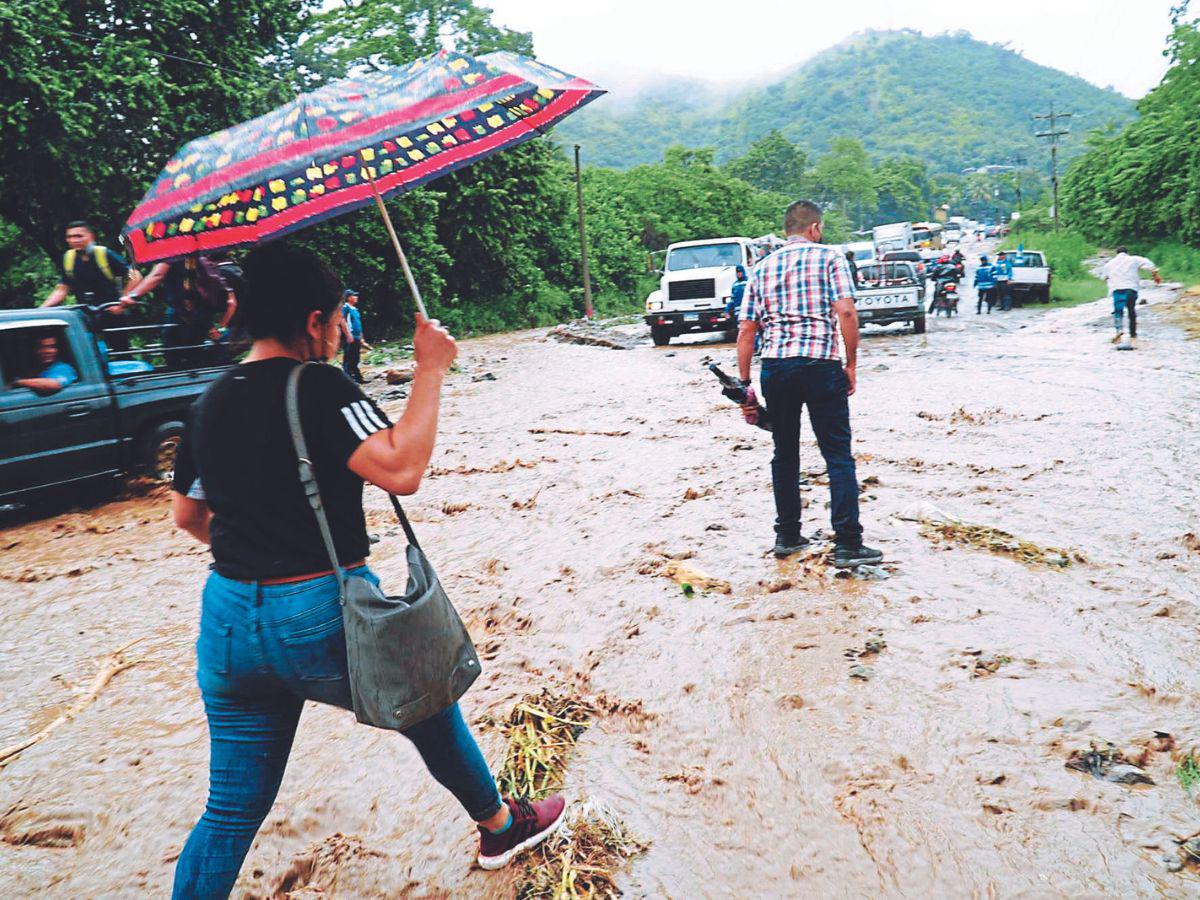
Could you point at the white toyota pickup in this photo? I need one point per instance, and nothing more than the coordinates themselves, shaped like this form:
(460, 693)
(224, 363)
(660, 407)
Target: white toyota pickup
(890, 292)
(1031, 276)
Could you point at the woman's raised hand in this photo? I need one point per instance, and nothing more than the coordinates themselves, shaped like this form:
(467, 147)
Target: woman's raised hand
(433, 348)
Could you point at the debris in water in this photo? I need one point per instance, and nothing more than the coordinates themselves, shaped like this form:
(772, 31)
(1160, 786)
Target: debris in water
(582, 859)
(1107, 763)
(1187, 771)
(496, 469)
(862, 673)
(985, 537)
(989, 665)
(112, 664)
(541, 731)
(695, 579)
(402, 375)
(577, 431)
(591, 334)
(864, 573)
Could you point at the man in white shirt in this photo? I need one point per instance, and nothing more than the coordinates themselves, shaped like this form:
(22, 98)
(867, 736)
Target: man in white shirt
(1123, 274)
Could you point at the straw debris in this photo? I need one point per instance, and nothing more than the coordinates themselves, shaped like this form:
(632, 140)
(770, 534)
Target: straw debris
(581, 860)
(541, 731)
(985, 537)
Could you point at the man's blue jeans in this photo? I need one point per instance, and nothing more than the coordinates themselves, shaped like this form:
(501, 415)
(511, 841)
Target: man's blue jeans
(1125, 301)
(263, 650)
(789, 385)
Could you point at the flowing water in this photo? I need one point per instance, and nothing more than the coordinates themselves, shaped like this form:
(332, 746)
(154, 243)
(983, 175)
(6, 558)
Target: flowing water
(736, 741)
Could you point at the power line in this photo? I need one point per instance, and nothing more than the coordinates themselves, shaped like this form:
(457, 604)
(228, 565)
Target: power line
(1054, 133)
(183, 59)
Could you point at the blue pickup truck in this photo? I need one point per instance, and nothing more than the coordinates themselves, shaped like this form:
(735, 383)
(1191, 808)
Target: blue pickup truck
(114, 413)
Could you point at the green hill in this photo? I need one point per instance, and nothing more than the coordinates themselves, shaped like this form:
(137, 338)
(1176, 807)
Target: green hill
(950, 100)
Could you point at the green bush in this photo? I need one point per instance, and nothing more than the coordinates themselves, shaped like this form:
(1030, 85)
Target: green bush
(1176, 261)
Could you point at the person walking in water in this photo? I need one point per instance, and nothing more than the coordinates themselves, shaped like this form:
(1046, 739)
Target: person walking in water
(271, 634)
(799, 296)
(1123, 276)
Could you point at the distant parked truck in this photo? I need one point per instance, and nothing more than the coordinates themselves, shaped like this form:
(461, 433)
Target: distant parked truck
(896, 236)
(696, 284)
(1031, 276)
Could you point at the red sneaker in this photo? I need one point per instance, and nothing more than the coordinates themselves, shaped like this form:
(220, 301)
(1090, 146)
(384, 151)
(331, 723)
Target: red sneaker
(532, 823)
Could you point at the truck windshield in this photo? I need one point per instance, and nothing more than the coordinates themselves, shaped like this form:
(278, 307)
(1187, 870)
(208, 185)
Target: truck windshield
(704, 256)
(1028, 259)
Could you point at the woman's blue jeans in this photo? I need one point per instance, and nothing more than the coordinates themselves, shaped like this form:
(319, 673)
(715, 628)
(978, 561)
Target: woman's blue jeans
(263, 650)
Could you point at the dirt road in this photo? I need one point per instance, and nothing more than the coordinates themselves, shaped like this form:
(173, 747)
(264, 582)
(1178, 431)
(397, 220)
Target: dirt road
(741, 747)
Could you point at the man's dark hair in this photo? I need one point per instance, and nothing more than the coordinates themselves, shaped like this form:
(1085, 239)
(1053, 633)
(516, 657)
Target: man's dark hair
(1122, 249)
(800, 215)
(282, 285)
(80, 223)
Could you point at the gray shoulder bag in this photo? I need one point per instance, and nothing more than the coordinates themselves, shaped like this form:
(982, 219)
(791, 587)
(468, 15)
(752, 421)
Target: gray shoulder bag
(409, 657)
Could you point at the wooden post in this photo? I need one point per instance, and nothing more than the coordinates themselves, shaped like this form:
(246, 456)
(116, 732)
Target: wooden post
(583, 250)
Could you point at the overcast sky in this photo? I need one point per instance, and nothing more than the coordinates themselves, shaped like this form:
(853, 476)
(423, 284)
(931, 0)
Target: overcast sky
(620, 43)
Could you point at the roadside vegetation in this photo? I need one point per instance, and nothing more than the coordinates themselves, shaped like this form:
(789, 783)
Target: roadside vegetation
(1137, 186)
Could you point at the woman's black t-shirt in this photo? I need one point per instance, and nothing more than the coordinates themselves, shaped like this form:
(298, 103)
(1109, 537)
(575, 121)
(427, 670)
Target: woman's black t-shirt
(237, 454)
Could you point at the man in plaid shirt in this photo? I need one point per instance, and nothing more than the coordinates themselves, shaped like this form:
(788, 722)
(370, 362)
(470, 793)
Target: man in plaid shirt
(798, 296)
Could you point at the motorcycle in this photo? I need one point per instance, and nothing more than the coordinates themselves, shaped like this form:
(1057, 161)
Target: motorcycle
(945, 278)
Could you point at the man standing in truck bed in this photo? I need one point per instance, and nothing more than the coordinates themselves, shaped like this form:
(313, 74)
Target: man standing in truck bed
(798, 296)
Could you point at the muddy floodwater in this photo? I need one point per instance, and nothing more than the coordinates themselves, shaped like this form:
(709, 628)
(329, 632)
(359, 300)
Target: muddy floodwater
(738, 741)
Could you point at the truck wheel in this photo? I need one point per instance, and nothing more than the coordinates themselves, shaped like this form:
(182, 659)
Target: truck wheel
(731, 335)
(1045, 295)
(661, 336)
(160, 450)
(919, 325)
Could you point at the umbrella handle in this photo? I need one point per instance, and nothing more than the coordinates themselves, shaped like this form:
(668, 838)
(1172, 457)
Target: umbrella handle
(391, 230)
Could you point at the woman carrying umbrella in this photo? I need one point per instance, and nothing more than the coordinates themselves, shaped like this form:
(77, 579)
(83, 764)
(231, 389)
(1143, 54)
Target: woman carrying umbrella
(271, 633)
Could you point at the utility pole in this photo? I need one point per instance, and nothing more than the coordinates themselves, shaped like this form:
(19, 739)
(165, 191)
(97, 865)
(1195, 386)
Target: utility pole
(1054, 133)
(583, 254)
(1019, 163)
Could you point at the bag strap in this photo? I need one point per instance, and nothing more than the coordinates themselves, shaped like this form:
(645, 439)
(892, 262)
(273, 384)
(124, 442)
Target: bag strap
(308, 477)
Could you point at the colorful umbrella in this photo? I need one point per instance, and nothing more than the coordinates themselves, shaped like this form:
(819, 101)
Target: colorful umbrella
(345, 145)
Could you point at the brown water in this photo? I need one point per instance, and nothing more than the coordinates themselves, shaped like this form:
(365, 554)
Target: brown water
(793, 779)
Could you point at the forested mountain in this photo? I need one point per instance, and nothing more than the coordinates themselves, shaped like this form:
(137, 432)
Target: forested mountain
(950, 100)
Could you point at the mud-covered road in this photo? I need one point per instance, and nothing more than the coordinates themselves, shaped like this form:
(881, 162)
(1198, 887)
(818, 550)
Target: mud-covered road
(738, 744)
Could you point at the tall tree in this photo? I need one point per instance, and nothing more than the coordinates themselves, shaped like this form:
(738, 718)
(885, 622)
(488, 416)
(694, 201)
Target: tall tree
(1141, 182)
(90, 117)
(902, 183)
(843, 177)
(772, 163)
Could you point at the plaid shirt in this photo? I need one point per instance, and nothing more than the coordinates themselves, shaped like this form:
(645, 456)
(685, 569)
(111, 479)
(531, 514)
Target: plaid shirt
(791, 295)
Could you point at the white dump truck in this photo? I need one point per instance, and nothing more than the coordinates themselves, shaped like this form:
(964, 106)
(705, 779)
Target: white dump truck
(696, 284)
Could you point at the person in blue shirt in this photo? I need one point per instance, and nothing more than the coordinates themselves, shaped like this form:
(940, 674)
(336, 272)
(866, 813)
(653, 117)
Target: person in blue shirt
(352, 336)
(1002, 271)
(54, 375)
(985, 285)
(736, 292)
